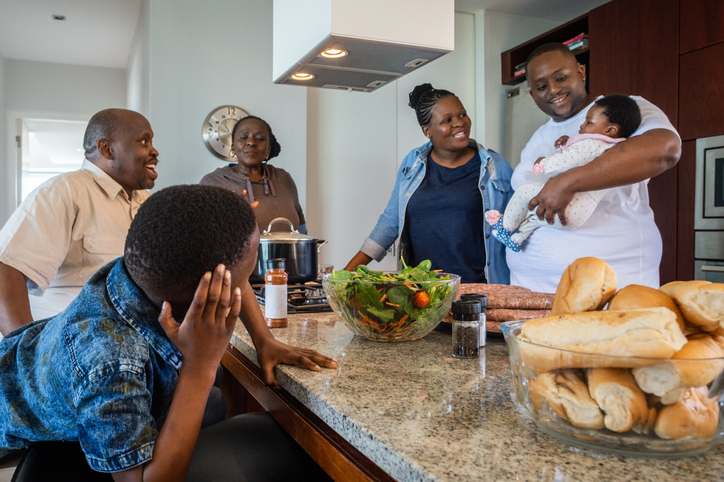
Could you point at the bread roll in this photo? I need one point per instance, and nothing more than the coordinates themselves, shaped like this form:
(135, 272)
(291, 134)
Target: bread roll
(671, 379)
(695, 415)
(567, 395)
(701, 302)
(636, 296)
(586, 285)
(622, 401)
(649, 333)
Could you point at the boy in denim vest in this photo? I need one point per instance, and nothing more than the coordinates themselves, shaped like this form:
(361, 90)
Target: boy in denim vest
(106, 370)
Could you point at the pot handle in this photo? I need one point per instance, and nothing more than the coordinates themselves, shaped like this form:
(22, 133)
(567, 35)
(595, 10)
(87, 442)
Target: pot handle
(320, 243)
(291, 226)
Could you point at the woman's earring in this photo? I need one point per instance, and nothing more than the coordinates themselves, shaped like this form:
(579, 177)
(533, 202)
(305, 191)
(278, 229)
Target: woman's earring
(232, 153)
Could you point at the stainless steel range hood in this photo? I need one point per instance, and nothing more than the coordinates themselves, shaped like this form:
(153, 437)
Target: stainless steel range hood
(373, 42)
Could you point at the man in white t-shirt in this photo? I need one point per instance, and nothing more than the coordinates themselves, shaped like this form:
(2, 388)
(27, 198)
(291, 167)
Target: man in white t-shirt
(75, 223)
(621, 230)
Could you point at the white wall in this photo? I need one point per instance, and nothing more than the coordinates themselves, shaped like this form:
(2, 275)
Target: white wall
(207, 54)
(47, 90)
(356, 142)
(500, 32)
(138, 70)
(3, 153)
(49, 87)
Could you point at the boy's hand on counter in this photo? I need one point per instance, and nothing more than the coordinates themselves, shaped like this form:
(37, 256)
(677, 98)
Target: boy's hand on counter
(209, 322)
(273, 352)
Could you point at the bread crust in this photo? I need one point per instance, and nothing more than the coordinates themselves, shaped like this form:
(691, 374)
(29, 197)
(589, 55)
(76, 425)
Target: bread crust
(637, 296)
(695, 415)
(670, 380)
(622, 401)
(567, 395)
(586, 285)
(701, 302)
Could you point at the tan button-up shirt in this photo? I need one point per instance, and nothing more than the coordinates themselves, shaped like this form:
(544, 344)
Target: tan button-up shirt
(68, 228)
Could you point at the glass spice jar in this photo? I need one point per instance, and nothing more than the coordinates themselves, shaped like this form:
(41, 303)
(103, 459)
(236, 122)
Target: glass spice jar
(275, 293)
(483, 305)
(466, 329)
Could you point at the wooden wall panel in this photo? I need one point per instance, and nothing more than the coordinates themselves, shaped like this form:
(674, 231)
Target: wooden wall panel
(701, 93)
(635, 51)
(702, 24)
(685, 212)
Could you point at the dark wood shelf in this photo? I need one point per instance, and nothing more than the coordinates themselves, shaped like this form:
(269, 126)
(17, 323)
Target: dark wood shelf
(510, 58)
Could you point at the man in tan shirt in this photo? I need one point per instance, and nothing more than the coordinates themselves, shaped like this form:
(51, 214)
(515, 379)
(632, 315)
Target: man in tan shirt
(76, 222)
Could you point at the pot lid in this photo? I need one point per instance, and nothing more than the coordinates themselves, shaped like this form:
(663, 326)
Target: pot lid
(290, 236)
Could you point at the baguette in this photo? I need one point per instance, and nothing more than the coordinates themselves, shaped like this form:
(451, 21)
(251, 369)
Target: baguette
(701, 302)
(637, 296)
(622, 401)
(695, 415)
(671, 379)
(561, 341)
(586, 285)
(567, 395)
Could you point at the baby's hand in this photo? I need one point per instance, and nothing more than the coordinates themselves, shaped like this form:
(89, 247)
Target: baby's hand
(538, 168)
(560, 142)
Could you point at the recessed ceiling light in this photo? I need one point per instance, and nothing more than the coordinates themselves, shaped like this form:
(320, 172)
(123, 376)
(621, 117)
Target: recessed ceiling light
(302, 76)
(58, 17)
(334, 53)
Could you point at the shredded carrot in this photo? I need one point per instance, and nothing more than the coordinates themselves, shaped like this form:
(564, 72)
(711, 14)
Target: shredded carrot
(392, 304)
(383, 298)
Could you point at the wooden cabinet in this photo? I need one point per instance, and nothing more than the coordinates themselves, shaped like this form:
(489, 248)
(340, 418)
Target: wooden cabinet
(702, 24)
(701, 93)
(634, 50)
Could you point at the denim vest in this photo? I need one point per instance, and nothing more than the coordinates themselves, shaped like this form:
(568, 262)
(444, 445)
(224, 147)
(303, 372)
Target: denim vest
(101, 373)
(495, 191)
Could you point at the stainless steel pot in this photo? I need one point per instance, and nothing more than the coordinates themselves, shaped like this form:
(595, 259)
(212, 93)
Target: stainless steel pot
(298, 249)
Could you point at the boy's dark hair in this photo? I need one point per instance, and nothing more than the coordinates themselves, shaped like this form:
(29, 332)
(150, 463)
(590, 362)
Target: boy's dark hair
(423, 98)
(273, 143)
(622, 111)
(181, 232)
(549, 47)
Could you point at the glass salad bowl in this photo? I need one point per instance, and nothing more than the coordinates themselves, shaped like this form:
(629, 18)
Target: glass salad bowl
(391, 307)
(602, 402)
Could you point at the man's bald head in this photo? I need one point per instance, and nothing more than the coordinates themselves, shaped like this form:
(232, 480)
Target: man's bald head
(104, 125)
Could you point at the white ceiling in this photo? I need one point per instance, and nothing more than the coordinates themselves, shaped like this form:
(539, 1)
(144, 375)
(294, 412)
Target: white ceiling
(95, 32)
(100, 32)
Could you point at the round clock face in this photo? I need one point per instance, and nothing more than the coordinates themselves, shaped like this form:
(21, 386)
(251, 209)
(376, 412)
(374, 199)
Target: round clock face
(217, 130)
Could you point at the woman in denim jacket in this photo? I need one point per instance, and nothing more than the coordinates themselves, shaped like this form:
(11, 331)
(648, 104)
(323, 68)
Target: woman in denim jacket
(442, 191)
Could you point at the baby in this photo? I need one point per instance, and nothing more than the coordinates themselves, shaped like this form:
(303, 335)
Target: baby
(610, 120)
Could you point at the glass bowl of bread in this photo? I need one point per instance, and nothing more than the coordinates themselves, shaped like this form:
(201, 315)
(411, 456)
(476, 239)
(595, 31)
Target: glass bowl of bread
(643, 377)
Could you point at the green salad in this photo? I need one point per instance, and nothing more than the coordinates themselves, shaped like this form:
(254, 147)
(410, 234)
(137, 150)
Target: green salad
(387, 302)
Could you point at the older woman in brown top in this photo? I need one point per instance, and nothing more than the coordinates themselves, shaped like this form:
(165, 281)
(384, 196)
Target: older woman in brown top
(254, 144)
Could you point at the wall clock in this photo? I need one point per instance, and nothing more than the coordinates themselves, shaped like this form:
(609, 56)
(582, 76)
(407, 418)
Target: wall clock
(217, 130)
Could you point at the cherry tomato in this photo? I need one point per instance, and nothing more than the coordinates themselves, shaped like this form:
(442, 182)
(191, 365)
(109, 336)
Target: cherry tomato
(421, 299)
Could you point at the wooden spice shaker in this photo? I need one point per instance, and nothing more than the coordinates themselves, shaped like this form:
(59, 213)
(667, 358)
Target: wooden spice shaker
(275, 293)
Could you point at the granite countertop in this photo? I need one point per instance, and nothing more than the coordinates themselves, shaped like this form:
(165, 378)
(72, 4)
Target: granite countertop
(421, 415)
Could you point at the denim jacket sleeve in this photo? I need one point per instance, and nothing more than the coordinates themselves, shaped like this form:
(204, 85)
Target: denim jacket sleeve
(115, 427)
(388, 226)
(499, 192)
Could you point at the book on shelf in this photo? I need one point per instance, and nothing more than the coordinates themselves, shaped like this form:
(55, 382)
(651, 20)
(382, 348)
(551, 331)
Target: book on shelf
(575, 39)
(579, 44)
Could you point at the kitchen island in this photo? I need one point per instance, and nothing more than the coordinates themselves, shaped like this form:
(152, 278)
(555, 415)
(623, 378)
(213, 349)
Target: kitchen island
(411, 412)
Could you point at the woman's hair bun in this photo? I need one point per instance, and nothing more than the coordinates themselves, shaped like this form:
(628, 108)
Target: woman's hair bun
(418, 92)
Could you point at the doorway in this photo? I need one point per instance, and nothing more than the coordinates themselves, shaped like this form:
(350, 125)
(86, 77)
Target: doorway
(53, 147)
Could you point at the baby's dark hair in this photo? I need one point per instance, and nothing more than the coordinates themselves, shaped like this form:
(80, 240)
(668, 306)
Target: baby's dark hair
(622, 111)
(273, 143)
(182, 232)
(549, 47)
(423, 98)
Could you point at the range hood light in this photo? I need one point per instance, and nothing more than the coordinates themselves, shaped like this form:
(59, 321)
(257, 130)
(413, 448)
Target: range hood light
(302, 76)
(334, 53)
